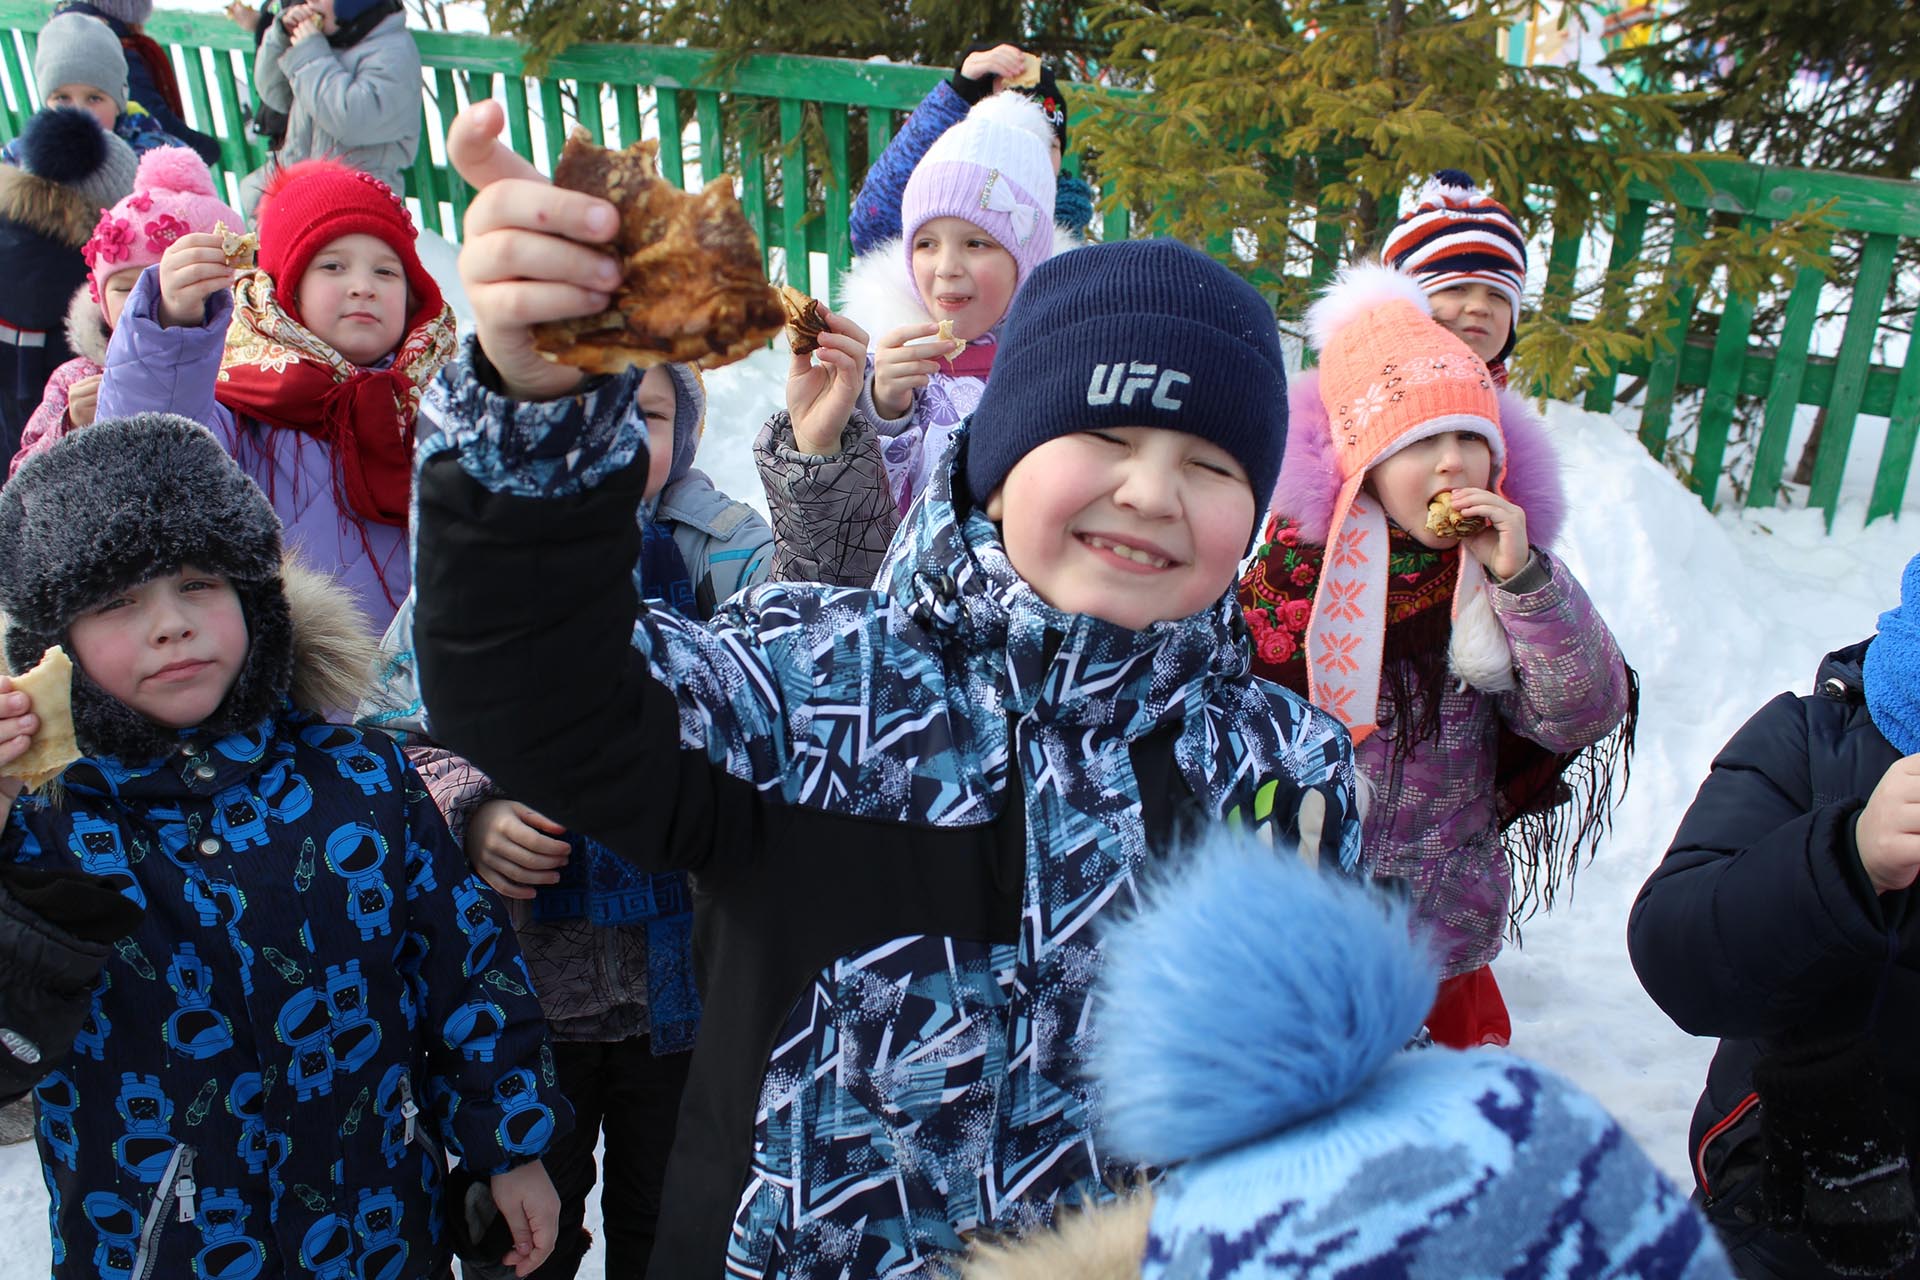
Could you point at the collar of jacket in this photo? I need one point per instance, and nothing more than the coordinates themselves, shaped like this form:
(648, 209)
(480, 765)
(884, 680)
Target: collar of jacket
(949, 571)
(46, 208)
(199, 765)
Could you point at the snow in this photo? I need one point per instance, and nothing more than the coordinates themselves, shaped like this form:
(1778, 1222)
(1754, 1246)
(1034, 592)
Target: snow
(1716, 612)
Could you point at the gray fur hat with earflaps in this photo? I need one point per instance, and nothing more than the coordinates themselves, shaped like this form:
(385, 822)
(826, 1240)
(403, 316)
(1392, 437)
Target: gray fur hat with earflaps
(125, 501)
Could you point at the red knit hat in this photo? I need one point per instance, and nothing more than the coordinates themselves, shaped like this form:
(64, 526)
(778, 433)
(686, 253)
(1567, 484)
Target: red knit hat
(309, 205)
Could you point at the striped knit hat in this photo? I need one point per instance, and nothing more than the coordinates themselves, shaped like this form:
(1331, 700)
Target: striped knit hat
(1456, 234)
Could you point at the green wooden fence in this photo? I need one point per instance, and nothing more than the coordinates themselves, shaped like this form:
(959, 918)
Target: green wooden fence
(796, 128)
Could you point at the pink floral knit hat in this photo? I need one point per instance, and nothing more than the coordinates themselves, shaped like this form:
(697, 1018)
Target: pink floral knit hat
(172, 196)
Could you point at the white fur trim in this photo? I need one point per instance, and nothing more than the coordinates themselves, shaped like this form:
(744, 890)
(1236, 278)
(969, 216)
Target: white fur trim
(1359, 287)
(1478, 650)
(878, 295)
(1014, 111)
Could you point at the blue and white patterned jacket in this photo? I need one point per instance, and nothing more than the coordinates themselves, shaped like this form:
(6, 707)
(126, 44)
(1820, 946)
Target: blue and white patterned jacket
(908, 811)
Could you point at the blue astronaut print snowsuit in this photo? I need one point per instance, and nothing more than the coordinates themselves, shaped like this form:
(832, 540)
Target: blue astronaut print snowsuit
(908, 810)
(319, 998)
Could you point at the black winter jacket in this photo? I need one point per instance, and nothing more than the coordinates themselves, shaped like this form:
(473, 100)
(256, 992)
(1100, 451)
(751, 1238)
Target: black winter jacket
(1761, 927)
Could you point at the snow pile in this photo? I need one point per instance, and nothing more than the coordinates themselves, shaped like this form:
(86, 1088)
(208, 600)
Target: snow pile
(1717, 613)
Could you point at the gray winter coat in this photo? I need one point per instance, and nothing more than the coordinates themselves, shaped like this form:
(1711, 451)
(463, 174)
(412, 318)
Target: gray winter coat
(359, 105)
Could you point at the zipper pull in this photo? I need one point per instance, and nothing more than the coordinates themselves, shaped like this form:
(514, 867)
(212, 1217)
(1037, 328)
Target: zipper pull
(408, 1109)
(184, 1188)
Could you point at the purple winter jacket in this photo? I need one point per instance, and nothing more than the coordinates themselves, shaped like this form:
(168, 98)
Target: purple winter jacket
(1434, 826)
(173, 370)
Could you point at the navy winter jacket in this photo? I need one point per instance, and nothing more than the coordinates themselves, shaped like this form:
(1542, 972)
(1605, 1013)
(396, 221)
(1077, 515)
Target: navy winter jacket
(1761, 927)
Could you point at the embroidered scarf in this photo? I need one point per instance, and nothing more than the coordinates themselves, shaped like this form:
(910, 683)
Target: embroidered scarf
(279, 372)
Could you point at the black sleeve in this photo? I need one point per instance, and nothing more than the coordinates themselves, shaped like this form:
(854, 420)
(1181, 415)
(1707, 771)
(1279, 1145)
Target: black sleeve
(1760, 916)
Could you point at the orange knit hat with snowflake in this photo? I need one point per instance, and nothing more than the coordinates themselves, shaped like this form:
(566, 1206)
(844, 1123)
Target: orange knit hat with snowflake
(1390, 376)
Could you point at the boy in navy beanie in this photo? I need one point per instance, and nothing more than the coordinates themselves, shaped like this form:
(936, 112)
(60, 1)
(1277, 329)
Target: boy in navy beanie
(911, 809)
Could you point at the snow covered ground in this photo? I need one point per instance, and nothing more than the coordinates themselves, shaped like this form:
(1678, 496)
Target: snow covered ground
(1717, 613)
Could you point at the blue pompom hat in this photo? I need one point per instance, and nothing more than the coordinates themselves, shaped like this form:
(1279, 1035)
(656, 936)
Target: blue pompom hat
(1891, 671)
(1251, 1025)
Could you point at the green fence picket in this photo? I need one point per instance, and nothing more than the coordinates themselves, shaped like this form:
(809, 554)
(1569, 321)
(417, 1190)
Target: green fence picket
(1629, 233)
(1850, 371)
(666, 106)
(628, 118)
(713, 147)
(839, 203)
(519, 123)
(1783, 390)
(1663, 379)
(793, 194)
(1723, 389)
(1896, 456)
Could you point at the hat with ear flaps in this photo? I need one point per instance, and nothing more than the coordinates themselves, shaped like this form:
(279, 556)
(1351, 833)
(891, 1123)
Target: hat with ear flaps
(119, 504)
(1391, 376)
(1250, 1030)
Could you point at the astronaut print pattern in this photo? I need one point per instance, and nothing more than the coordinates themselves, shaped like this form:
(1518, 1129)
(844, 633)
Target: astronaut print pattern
(320, 1007)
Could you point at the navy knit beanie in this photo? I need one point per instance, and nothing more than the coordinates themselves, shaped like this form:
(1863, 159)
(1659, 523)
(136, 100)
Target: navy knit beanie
(1135, 333)
(1891, 671)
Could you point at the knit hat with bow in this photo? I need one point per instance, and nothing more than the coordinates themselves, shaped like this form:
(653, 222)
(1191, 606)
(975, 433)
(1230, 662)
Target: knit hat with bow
(995, 170)
(172, 196)
(1390, 376)
(1249, 1030)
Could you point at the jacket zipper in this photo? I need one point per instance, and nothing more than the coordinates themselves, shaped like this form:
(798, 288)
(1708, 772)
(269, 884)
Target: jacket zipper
(410, 1110)
(176, 1188)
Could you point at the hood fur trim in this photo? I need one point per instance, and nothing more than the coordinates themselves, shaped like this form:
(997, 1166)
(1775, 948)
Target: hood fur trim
(1100, 1242)
(1360, 287)
(1309, 483)
(57, 212)
(878, 295)
(1478, 650)
(334, 650)
(87, 332)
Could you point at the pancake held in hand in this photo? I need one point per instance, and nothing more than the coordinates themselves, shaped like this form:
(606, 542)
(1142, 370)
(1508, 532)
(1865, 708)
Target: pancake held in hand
(52, 748)
(692, 292)
(1445, 521)
(238, 246)
(1029, 76)
(805, 322)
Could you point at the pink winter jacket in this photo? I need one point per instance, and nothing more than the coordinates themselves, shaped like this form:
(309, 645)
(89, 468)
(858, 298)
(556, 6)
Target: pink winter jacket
(1434, 827)
(87, 334)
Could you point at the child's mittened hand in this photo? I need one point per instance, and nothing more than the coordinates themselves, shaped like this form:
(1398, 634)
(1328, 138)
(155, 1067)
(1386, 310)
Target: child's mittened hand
(531, 252)
(193, 269)
(17, 724)
(900, 370)
(1502, 545)
(531, 1209)
(83, 398)
(1887, 832)
(822, 387)
(514, 848)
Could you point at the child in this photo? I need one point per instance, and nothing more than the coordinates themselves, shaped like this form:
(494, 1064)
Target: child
(346, 74)
(1304, 1142)
(609, 945)
(979, 218)
(172, 196)
(909, 809)
(1470, 255)
(69, 172)
(314, 965)
(150, 78)
(1781, 920)
(984, 70)
(78, 63)
(316, 384)
(1476, 660)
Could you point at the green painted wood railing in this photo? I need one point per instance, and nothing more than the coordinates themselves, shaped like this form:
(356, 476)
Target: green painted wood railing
(793, 122)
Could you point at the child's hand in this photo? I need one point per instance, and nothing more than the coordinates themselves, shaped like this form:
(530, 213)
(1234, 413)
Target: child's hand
(1502, 546)
(531, 1208)
(531, 253)
(513, 848)
(1887, 831)
(314, 28)
(292, 18)
(83, 397)
(1002, 62)
(900, 370)
(244, 16)
(193, 269)
(17, 724)
(821, 393)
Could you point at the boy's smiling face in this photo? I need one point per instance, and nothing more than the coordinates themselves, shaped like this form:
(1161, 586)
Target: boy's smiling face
(1133, 525)
(169, 648)
(91, 99)
(353, 296)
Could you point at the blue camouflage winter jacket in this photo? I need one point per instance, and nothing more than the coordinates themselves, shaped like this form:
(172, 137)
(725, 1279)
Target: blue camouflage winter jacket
(908, 811)
(320, 998)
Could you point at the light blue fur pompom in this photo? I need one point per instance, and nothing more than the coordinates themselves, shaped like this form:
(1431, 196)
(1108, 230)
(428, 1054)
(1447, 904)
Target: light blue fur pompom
(1251, 993)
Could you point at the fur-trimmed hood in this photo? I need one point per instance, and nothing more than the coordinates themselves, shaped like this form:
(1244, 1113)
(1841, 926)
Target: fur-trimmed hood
(1100, 1242)
(878, 295)
(87, 332)
(1309, 482)
(57, 212)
